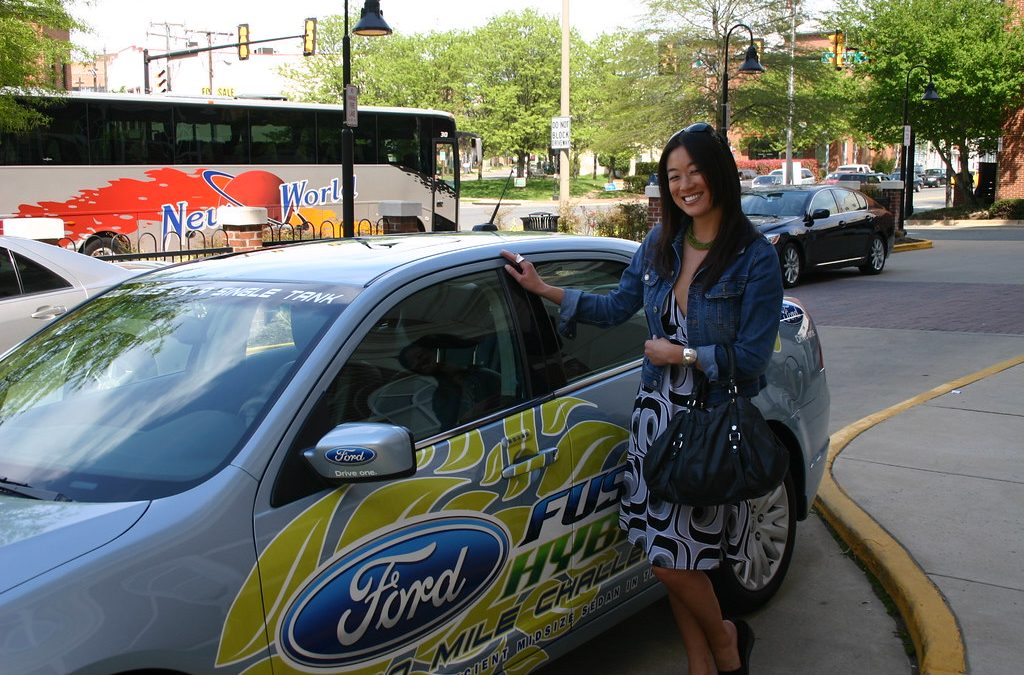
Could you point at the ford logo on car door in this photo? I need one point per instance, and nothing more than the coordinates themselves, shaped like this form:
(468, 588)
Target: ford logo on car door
(389, 592)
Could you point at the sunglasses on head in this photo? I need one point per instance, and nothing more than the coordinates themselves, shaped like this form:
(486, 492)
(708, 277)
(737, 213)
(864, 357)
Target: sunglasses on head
(701, 128)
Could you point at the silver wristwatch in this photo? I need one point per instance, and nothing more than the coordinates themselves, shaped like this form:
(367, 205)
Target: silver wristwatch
(689, 356)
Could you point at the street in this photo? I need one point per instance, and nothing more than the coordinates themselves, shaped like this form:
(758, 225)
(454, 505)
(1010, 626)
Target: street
(931, 316)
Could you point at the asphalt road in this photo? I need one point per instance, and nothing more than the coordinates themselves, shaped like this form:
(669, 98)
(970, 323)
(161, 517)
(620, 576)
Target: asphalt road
(933, 315)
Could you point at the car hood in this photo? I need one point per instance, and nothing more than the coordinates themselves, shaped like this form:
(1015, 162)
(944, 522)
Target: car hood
(772, 223)
(37, 536)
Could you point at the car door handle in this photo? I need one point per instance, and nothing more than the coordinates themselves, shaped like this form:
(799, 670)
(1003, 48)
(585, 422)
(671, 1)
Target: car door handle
(47, 312)
(533, 463)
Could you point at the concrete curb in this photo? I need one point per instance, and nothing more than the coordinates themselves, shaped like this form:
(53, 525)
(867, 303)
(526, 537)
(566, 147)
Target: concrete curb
(933, 626)
(915, 246)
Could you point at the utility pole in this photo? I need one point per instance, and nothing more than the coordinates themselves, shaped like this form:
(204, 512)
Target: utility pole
(790, 178)
(167, 41)
(564, 165)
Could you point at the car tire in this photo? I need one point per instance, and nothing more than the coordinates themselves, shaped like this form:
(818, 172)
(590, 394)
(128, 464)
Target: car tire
(876, 257)
(104, 245)
(792, 265)
(741, 587)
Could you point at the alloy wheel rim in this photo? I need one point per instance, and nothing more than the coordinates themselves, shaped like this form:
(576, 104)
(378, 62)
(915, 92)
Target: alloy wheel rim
(877, 254)
(767, 541)
(792, 265)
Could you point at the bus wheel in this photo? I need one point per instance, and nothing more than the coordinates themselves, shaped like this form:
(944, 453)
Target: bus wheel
(104, 245)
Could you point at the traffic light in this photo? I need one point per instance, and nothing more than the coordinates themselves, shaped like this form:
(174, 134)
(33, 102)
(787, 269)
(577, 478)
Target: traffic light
(309, 38)
(161, 81)
(243, 41)
(668, 60)
(838, 48)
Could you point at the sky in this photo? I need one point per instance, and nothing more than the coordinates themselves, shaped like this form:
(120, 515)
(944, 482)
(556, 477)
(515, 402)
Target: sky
(122, 23)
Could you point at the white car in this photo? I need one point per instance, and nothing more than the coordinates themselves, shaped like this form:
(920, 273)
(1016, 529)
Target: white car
(806, 177)
(40, 281)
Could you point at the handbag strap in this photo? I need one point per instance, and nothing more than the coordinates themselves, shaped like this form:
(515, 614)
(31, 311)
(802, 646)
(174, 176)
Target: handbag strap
(731, 356)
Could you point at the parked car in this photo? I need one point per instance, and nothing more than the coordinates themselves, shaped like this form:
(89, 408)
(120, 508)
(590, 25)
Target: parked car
(765, 181)
(853, 168)
(820, 227)
(40, 281)
(370, 455)
(746, 177)
(859, 178)
(806, 177)
(934, 177)
(917, 181)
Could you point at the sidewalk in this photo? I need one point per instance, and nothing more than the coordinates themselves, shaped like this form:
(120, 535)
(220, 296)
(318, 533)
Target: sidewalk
(929, 493)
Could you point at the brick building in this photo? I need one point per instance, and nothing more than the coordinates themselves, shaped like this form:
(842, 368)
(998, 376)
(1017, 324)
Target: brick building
(1010, 169)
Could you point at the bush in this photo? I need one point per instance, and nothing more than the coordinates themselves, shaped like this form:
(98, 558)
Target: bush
(766, 166)
(625, 221)
(645, 169)
(885, 165)
(635, 183)
(1007, 209)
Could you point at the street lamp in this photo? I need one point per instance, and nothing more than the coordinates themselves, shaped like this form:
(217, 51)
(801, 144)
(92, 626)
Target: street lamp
(371, 24)
(750, 65)
(905, 156)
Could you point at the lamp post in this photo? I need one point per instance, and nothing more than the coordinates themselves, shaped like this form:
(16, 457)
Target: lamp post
(371, 24)
(905, 156)
(750, 65)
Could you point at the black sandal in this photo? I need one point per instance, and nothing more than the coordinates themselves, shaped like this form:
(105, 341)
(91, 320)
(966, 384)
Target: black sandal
(744, 645)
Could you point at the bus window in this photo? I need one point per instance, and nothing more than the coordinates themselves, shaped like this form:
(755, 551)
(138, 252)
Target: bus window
(282, 136)
(365, 140)
(399, 141)
(129, 133)
(210, 135)
(328, 141)
(63, 140)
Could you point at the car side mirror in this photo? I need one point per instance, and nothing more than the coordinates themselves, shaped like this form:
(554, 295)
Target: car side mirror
(818, 214)
(362, 452)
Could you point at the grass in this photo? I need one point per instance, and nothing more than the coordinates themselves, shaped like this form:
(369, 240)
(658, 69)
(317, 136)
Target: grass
(538, 189)
(949, 213)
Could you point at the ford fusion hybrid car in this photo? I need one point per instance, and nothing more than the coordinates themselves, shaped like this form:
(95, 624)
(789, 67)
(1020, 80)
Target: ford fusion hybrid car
(360, 456)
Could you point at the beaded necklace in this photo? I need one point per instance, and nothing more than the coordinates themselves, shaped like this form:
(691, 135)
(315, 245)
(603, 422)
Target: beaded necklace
(696, 243)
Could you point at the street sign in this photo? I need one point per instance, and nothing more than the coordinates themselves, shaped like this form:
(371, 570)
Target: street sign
(352, 106)
(906, 135)
(560, 133)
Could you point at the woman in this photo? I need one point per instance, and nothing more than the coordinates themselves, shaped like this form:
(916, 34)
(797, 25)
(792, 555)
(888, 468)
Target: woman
(706, 278)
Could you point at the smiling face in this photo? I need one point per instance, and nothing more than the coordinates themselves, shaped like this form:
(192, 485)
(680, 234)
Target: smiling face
(689, 187)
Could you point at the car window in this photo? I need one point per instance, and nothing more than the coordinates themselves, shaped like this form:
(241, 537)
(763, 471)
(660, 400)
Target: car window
(35, 278)
(8, 277)
(774, 203)
(441, 358)
(848, 201)
(862, 202)
(155, 385)
(824, 200)
(594, 348)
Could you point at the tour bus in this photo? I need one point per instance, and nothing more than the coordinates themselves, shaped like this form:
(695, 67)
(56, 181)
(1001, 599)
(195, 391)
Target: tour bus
(113, 164)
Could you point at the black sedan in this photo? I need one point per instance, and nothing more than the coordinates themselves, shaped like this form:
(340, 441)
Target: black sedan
(822, 227)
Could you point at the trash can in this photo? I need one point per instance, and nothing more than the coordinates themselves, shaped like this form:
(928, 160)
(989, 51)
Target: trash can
(541, 221)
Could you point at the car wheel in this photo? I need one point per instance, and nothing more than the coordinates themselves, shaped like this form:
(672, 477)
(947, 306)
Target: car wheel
(743, 587)
(876, 257)
(105, 246)
(792, 265)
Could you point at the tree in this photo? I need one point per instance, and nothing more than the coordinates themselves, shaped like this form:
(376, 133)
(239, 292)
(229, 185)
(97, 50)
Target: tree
(518, 82)
(977, 65)
(30, 55)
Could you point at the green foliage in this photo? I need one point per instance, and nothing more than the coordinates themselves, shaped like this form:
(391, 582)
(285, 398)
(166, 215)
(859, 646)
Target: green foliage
(635, 183)
(884, 164)
(1007, 209)
(645, 169)
(625, 221)
(29, 57)
(972, 50)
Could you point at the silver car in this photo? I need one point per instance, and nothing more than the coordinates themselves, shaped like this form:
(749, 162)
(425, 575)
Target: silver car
(371, 455)
(40, 281)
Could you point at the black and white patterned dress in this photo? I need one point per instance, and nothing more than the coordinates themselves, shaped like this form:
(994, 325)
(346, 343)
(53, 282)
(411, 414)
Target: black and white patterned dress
(675, 536)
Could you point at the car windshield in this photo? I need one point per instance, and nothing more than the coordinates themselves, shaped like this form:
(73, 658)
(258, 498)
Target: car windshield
(780, 203)
(152, 388)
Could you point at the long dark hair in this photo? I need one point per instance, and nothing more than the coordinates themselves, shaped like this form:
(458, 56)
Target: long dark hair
(714, 160)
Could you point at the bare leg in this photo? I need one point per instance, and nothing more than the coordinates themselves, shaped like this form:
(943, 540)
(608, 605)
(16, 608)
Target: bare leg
(698, 653)
(693, 591)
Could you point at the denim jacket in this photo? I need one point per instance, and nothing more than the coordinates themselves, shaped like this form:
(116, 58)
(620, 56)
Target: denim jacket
(741, 309)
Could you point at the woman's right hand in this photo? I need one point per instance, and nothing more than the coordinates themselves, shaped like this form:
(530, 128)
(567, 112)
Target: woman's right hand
(523, 271)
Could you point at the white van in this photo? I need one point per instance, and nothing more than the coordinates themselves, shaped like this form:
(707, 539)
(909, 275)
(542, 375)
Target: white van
(853, 168)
